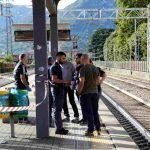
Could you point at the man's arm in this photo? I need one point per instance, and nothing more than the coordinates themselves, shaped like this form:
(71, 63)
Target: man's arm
(54, 77)
(23, 80)
(22, 71)
(59, 81)
(102, 78)
(81, 85)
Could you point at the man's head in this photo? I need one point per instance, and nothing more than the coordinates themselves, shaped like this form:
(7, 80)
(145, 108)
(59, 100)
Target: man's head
(61, 57)
(23, 58)
(85, 59)
(78, 58)
(50, 60)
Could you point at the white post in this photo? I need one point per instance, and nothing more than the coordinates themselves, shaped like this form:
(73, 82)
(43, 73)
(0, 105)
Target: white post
(148, 40)
(135, 31)
(114, 50)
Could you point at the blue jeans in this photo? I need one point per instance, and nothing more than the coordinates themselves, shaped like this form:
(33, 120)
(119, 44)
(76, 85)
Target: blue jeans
(58, 101)
(90, 103)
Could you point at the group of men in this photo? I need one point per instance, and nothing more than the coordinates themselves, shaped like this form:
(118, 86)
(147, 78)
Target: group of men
(65, 79)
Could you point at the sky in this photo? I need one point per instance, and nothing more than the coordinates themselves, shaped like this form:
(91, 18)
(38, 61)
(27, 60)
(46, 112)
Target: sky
(62, 3)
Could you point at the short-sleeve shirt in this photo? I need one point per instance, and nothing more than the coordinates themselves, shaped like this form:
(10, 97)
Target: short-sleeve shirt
(56, 70)
(20, 69)
(68, 71)
(90, 73)
(101, 73)
(77, 73)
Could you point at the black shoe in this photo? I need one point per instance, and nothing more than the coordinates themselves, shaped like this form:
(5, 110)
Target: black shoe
(67, 119)
(80, 121)
(75, 120)
(99, 132)
(62, 132)
(89, 133)
(83, 123)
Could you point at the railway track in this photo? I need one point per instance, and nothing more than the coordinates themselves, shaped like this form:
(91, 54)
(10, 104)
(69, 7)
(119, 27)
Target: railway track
(133, 114)
(137, 90)
(141, 83)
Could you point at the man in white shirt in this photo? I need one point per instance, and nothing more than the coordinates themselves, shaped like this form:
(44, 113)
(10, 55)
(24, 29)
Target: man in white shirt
(68, 70)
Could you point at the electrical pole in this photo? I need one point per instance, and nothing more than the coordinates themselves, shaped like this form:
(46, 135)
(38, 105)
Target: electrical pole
(138, 46)
(130, 57)
(8, 25)
(135, 40)
(7, 39)
(114, 55)
(148, 40)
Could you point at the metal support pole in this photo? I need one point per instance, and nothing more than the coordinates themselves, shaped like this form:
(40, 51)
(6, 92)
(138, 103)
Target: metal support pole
(138, 47)
(54, 35)
(135, 30)
(12, 125)
(130, 57)
(40, 47)
(7, 34)
(148, 40)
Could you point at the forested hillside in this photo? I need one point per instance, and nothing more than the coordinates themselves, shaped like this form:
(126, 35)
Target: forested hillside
(122, 40)
(84, 29)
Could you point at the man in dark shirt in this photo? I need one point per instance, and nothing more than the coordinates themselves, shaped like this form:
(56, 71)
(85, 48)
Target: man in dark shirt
(89, 78)
(57, 89)
(102, 75)
(21, 74)
(21, 79)
(79, 65)
(102, 78)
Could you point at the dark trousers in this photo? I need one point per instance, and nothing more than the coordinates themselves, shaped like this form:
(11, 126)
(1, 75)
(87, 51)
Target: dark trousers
(82, 108)
(50, 105)
(70, 93)
(90, 103)
(58, 101)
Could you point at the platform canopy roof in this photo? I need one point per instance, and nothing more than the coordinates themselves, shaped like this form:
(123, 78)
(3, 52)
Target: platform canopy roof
(24, 32)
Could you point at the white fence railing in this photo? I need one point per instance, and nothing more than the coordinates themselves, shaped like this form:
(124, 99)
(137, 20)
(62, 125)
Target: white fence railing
(128, 65)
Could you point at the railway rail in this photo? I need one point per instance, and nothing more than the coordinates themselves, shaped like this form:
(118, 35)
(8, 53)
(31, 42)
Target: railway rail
(137, 90)
(132, 114)
(134, 81)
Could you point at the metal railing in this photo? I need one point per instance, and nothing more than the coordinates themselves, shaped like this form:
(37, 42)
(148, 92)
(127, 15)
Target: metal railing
(127, 65)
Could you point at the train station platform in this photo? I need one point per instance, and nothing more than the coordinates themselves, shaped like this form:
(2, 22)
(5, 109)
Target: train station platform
(112, 137)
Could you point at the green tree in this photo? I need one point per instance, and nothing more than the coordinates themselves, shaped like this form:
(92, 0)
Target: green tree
(97, 41)
(124, 39)
(8, 58)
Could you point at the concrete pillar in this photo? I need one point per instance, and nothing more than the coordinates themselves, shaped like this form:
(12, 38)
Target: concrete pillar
(54, 35)
(40, 47)
(148, 40)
